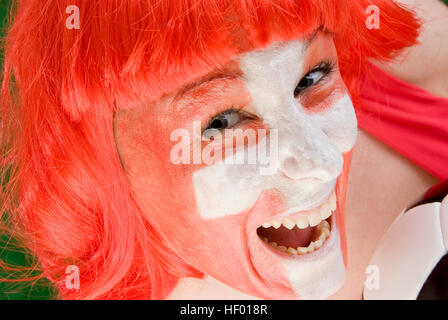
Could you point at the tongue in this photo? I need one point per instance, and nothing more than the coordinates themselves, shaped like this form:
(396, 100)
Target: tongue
(288, 238)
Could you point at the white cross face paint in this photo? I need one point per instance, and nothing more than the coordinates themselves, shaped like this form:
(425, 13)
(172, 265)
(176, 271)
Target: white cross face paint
(311, 148)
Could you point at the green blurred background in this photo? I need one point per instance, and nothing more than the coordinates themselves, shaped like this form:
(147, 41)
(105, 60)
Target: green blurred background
(10, 250)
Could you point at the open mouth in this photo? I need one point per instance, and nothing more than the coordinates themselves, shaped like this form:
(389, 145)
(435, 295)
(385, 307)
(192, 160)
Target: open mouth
(301, 233)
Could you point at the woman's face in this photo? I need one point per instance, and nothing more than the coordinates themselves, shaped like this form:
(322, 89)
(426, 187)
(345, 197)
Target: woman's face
(243, 172)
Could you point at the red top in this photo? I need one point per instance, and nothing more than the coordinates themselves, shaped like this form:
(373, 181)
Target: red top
(408, 119)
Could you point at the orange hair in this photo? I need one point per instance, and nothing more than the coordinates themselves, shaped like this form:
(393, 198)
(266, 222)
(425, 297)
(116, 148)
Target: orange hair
(67, 193)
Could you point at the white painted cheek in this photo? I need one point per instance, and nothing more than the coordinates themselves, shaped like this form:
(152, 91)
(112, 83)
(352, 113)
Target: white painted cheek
(339, 124)
(225, 189)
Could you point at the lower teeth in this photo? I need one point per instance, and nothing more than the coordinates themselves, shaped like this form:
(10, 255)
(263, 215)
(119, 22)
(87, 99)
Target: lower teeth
(323, 231)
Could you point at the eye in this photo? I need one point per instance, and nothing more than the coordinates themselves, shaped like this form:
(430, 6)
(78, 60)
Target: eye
(313, 77)
(225, 120)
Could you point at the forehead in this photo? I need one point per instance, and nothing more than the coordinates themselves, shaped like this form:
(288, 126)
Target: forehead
(277, 65)
(290, 57)
(276, 55)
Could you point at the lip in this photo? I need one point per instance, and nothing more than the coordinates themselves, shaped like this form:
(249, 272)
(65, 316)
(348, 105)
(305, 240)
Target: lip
(328, 243)
(269, 264)
(301, 210)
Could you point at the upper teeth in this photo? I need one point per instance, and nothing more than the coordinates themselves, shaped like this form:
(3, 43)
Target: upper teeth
(323, 233)
(312, 219)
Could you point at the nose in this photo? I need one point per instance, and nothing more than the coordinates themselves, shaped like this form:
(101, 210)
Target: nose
(306, 152)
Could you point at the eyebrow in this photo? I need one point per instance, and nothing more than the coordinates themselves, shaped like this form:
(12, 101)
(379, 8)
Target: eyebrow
(310, 40)
(213, 76)
(313, 36)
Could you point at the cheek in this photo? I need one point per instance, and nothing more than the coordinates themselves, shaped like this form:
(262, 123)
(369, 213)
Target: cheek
(168, 193)
(222, 189)
(325, 97)
(339, 123)
(165, 193)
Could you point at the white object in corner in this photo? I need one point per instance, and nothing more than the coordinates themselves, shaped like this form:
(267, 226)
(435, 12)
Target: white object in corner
(409, 251)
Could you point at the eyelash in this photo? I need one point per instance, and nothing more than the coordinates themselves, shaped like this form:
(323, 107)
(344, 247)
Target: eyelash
(326, 67)
(226, 112)
(242, 114)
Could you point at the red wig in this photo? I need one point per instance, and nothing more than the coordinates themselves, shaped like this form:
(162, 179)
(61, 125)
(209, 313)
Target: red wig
(67, 192)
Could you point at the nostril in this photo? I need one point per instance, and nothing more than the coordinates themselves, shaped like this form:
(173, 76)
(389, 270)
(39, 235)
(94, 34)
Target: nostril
(303, 168)
(295, 170)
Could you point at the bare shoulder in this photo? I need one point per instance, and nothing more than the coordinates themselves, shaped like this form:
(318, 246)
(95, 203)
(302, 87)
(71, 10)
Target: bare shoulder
(426, 64)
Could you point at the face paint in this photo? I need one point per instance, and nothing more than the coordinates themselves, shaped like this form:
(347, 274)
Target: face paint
(224, 189)
(209, 214)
